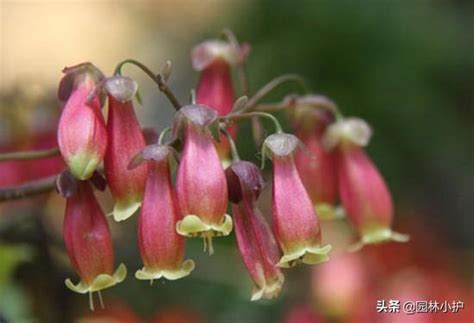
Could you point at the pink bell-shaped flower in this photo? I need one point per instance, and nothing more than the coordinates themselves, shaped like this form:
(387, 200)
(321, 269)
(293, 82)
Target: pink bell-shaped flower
(309, 116)
(214, 60)
(125, 140)
(89, 243)
(255, 240)
(82, 137)
(362, 189)
(161, 247)
(201, 184)
(294, 222)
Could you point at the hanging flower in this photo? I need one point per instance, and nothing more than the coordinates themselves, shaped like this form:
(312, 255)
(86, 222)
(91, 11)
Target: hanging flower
(255, 240)
(295, 223)
(214, 59)
(82, 137)
(161, 247)
(89, 243)
(200, 184)
(362, 189)
(125, 140)
(310, 115)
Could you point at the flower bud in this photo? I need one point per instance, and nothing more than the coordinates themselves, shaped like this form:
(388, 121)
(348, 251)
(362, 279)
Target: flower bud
(200, 184)
(257, 245)
(362, 189)
(161, 247)
(82, 137)
(125, 140)
(295, 223)
(214, 60)
(309, 116)
(89, 243)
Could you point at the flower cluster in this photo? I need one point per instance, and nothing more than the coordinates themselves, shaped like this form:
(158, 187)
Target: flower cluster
(323, 164)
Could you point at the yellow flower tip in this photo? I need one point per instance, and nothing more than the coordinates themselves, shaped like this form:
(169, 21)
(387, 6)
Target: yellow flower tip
(124, 210)
(225, 162)
(268, 291)
(171, 274)
(378, 236)
(308, 255)
(102, 281)
(328, 212)
(83, 165)
(192, 226)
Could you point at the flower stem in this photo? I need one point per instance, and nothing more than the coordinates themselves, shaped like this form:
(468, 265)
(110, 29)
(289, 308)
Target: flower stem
(325, 103)
(270, 86)
(240, 116)
(192, 95)
(163, 133)
(157, 78)
(233, 148)
(27, 155)
(36, 187)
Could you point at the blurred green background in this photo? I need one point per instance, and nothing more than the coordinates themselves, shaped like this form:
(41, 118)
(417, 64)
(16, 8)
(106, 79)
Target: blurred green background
(407, 67)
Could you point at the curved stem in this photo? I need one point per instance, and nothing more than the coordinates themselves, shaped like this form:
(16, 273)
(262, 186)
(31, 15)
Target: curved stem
(240, 116)
(163, 133)
(27, 155)
(233, 148)
(270, 107)
(328, 105)
(40, 186)
(270, 86)
(157, 78)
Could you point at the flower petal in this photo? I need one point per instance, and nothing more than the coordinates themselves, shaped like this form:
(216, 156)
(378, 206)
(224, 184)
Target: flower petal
(171, 274)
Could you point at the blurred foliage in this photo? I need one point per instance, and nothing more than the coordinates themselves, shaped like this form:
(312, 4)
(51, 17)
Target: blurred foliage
(13, 304)
(407, 67)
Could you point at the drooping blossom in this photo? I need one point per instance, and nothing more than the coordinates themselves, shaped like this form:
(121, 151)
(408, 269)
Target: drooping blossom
(309, 116)
(200, 184)
(161, 247)
(214, 59)
(125, 140)
(89, 243)
(82, 136)
(255, 240)
(364, 194)
(295, 223)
